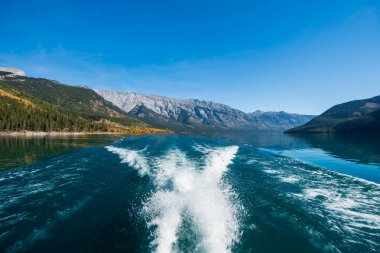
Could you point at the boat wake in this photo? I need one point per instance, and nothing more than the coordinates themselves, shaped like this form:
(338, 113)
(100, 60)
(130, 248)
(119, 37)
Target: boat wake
(190, 200)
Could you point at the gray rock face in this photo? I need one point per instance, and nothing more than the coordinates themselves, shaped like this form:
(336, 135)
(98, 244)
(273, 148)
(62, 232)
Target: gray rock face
(204, 115)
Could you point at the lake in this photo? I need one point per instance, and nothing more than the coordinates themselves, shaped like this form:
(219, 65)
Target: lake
(190, 193)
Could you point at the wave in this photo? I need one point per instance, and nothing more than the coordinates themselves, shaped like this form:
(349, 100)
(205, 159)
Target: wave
(132, 158)
(349, 205)
(199, 193)
(191, 193)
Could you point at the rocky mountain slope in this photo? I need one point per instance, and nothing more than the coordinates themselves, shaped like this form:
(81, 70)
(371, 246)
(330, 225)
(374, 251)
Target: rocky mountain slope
(199, 116)
(354, 116)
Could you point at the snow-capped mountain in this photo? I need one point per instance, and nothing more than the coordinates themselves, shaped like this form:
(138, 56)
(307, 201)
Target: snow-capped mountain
(195, 114)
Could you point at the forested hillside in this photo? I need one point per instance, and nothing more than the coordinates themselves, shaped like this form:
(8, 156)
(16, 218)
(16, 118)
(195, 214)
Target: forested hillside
(18, 111)
(79, 100)
(35, 104)
(350, 117)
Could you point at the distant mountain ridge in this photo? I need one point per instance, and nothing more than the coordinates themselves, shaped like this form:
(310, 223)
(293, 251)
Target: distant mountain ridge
(196, 115)
(354, 116)
(54, 103)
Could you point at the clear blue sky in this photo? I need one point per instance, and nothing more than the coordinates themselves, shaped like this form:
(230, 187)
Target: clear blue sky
(297, 56)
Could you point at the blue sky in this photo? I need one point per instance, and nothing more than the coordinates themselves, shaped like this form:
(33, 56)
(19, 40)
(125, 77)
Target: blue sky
(297, 56)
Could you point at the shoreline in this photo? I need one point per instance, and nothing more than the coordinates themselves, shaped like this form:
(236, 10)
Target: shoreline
(32, 133)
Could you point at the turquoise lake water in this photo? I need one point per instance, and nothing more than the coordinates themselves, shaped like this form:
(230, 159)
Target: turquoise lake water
(184, 193)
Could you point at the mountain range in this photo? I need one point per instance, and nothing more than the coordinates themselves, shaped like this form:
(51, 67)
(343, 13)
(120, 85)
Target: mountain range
(195, 115)
(354, 116)
(39, 104)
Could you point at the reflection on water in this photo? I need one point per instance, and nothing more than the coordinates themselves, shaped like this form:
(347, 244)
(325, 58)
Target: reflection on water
(19, 150)
(265, 140)
(357, 155)
(363, 148)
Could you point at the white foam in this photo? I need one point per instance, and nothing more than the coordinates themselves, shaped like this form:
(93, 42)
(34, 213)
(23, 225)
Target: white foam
(200, 193)
(218, 160)
(164, 211)
(351, 207)
(270, 171)
(315, 192)
(167, 167)
(290, 179)
(133, 158)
